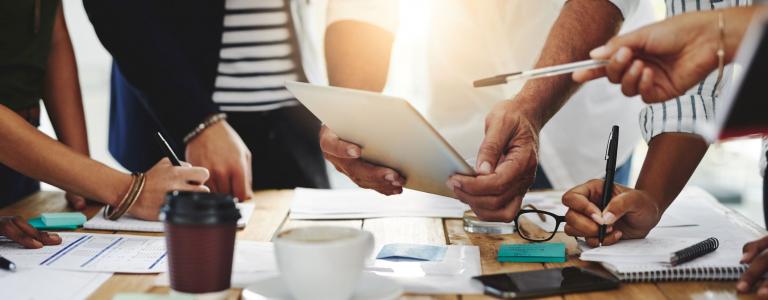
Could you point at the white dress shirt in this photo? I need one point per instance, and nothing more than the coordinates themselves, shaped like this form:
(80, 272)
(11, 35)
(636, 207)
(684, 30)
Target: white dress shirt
(442, 46)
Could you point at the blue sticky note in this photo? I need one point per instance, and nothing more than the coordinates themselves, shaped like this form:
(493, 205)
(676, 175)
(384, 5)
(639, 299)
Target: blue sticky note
(398, 252)
(534, 252)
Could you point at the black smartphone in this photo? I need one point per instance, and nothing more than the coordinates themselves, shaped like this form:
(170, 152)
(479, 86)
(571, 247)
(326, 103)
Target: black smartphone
(545, 283)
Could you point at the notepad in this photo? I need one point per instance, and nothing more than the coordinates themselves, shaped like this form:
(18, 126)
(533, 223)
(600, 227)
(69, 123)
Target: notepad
(534, 252)
(128, 223)
(639, 260)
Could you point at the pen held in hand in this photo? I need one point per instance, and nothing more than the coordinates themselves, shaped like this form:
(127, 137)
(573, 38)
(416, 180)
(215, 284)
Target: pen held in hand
(541, 72)
(167, 149)
(610, 173)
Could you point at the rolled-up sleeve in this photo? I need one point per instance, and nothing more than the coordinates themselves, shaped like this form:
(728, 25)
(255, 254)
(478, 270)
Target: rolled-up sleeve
(686, 113)
(382, 13)
(627, 7)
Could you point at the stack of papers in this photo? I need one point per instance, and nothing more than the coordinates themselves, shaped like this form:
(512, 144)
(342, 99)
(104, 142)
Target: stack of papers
(128, 223)
(360, 204)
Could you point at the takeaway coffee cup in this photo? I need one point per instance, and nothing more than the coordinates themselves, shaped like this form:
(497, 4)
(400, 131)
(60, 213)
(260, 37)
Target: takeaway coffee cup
(200, 239)
(323, 262)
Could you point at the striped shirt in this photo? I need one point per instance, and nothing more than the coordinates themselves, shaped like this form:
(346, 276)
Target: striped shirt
(697, 105)
(259, 53)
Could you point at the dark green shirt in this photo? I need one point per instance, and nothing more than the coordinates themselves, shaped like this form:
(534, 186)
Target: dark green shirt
(25, 42)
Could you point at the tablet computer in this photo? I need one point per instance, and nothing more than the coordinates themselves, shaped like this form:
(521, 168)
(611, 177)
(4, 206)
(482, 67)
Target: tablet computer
(390, 132)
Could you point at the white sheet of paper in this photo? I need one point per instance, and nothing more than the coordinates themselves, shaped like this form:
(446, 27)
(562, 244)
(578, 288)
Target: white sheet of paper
(360, 203)
(452, 275)
(253, 261)
(94, 252)
(128, 223)
(652, 249)
(35, 283)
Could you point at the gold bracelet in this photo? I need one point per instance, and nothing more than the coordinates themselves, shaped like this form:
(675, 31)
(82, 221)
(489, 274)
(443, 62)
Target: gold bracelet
(720, 52)
(137, 185)
(208, 122)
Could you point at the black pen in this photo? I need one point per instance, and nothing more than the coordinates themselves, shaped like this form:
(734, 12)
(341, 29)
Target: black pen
(167, 149)
(610, 172)
(6, 264)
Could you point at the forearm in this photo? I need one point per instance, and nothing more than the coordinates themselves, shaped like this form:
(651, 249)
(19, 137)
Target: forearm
(62, 90)
(357, 55)
(30, 152)
(582, 26)
(670, 162)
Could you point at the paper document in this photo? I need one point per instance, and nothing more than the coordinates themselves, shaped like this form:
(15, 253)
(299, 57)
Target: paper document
(94, 252)
(451, 275)
(35, 283)
(128, 223)
(361, 203)
(253, 261)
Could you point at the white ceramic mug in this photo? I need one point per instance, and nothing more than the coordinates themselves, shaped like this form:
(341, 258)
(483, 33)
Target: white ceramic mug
(323, 262)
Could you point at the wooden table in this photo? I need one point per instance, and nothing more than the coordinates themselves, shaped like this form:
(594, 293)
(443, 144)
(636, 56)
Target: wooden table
(271, 213)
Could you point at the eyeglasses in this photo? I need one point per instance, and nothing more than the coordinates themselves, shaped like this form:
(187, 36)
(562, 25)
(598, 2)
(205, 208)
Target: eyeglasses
(531, 224)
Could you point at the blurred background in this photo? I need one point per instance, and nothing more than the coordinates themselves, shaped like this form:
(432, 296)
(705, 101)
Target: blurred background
(730, 170)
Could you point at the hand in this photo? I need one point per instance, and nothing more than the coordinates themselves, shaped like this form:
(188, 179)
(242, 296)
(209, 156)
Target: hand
(163, 178)
(18, 230)
(506, 165)
(346, 158)
(75, 202)
(662, 60)
(757, 258)
(220, 150)
(631, 214)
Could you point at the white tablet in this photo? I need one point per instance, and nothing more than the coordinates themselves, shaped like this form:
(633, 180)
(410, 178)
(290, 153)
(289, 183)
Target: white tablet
(390, 132)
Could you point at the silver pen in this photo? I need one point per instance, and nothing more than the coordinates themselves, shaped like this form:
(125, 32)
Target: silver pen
(541, 72)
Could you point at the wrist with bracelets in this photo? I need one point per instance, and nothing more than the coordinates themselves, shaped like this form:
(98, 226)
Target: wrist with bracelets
(208, 122)
(130, 198)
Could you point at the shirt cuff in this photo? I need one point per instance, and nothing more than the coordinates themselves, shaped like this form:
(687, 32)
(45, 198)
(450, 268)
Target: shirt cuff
(687, 113)
(382, 13)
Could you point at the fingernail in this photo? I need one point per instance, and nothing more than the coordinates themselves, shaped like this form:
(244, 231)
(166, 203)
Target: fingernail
(599, 52)
(742, 286)
(622, 55)
(597, 219)
(397, 183)
(618, 235)
(353, 152)
(456, 183)
(744, 257)
(763, 291)
(609, 218)
(449, 184)
(389, 177)
(485, 168)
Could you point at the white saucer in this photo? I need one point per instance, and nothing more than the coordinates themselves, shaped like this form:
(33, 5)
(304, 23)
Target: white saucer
(370, 287)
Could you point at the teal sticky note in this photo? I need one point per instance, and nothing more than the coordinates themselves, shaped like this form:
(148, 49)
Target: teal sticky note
(63, 219)
(38, 223)
(534, 252)
(140, 296)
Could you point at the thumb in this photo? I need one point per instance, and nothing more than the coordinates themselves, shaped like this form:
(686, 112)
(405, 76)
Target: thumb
(618, 207)
(491, 149)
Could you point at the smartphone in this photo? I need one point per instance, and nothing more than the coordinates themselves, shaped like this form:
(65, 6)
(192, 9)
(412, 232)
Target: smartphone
(545, 283)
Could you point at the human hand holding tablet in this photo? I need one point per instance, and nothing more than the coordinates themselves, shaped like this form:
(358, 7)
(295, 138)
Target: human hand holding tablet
(387, 131)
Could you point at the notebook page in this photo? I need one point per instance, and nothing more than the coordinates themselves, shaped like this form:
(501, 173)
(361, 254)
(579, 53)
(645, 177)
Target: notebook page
(128, 223)
(652, 249)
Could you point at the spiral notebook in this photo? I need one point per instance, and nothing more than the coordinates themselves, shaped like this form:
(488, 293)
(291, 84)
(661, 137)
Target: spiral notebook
(649, 259)
(664, 259)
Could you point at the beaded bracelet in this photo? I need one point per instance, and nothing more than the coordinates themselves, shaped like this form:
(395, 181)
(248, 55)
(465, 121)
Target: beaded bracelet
(208, 122)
